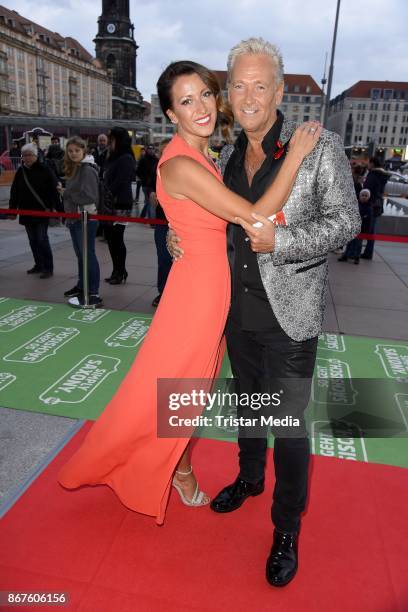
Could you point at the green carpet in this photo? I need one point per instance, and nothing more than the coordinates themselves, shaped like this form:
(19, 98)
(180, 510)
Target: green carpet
(67, 362)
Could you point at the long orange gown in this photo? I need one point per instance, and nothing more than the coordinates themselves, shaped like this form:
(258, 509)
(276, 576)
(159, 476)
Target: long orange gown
(185, 340)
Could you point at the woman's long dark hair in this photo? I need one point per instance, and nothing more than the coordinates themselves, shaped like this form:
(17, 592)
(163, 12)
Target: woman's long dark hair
(177, 69)
(123, 143)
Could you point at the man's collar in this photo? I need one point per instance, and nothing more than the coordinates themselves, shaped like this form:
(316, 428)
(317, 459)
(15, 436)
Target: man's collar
(270, 140)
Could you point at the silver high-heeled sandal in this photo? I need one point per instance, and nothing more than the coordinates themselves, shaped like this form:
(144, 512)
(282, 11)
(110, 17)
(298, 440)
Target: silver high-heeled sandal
(199, 498)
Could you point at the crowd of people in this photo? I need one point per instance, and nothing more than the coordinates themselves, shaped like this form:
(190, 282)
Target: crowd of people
(96, 179)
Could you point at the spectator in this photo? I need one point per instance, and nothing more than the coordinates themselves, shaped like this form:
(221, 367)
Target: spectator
(40, 153)
(34, 188)
(138, 181)
(353, 249)
(55, 141)
(117, 187)
(146, 171)
(375, 182)
(54, 160)
(82, 193)
(101, 153)
(15, 155)
(164, 260)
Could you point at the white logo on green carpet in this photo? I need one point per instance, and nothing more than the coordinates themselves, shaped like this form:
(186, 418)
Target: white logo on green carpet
(3, 299)
(42, 346)
(402, 403)
(129, 334)
(331, 342)
(20, 316)
(6, 379)
(332, 383)
(81, 380)
(88, 315)
(394, 359)
(339, 439)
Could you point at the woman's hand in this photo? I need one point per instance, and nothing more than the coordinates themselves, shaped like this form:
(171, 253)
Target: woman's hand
(304, 139)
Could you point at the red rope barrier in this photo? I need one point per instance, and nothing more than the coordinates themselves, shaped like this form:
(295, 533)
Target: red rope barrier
(44, 213)
(64, 215)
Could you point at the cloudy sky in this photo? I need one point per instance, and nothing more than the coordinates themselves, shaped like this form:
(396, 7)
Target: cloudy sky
(371, 44)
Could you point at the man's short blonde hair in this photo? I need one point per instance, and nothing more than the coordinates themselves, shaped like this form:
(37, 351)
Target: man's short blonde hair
(256, 46)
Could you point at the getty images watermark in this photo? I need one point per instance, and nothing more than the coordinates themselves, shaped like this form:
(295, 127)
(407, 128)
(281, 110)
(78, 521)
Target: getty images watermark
(196, 404)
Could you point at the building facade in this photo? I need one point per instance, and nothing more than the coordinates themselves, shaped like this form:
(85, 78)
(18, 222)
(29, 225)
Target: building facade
(302, 101)
(116, 49)
(48, 75)
(374, 115)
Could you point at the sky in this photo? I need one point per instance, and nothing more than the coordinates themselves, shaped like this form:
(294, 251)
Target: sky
(371, 42)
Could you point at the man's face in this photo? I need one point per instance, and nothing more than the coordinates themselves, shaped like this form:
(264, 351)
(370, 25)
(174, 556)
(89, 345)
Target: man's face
(254, 93)
(102, 141)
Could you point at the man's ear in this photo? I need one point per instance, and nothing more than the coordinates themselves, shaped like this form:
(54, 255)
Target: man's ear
(172, 116)
(279, 93)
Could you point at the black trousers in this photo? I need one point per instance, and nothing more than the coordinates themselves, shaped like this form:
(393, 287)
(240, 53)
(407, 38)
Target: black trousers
(116, 244)
(268, 362)
(37, 233)
(164, 261)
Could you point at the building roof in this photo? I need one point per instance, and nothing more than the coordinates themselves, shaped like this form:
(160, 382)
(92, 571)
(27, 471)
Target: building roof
(18, 23)
(362, 89)
(305, 83)
(302, 81)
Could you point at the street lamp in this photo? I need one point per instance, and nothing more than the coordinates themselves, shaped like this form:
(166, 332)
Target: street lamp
(329, 84)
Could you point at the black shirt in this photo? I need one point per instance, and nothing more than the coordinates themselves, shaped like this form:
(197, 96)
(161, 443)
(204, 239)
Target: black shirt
(250, 306)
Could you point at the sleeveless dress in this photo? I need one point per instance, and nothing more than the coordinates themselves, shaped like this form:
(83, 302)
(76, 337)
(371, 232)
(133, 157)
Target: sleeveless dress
(185, 340)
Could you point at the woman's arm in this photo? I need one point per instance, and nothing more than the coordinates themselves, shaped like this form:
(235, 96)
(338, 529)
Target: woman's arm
(184, 178)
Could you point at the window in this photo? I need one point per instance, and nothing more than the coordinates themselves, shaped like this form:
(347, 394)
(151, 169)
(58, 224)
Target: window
(308, 89)
(306, 99)
(375, 94)
(296, 89)
(286, 89)
(388, 94)
(306, 118)
(294, 98)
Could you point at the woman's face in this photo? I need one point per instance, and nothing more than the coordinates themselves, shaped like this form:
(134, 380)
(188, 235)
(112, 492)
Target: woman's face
(75, 153)
(112, 144)
(194, 107)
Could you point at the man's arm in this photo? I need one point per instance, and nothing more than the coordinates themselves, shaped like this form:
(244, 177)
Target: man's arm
(339, 219)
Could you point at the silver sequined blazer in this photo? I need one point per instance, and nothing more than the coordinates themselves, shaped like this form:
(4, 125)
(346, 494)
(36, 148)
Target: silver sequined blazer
(322, 215)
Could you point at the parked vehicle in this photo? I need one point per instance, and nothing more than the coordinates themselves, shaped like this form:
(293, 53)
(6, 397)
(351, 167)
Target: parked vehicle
(397, 185)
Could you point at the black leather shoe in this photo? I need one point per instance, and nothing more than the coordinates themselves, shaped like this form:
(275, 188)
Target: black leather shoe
(363, 256)
(234, 495)
(282, 564)
(34, 270)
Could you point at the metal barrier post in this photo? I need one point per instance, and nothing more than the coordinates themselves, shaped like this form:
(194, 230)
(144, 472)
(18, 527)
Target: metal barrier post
(85, 276)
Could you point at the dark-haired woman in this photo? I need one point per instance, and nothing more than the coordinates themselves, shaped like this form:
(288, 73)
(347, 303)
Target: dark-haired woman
(134, 447)
(119, 173)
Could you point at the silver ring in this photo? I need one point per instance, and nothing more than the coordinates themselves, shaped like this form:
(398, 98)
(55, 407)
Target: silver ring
(312, 130)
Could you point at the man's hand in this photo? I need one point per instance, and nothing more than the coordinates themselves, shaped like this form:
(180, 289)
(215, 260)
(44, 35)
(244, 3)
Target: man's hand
(172, 241)
(153, 199)
(262, 238)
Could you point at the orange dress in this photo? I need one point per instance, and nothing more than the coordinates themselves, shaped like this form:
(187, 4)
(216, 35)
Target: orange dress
(185, 340)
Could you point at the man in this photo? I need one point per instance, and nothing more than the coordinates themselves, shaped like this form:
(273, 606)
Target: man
(34, 188)
(146, 172)
(164, 261)
(375, 182)
(101, 153)
(279, 278)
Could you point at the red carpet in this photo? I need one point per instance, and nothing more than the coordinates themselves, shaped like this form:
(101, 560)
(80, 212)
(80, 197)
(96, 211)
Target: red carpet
(353, 548)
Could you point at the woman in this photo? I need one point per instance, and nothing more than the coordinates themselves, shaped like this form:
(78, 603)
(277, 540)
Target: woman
(82, 193)
(117, 181)
(34, 188)
(184, 341)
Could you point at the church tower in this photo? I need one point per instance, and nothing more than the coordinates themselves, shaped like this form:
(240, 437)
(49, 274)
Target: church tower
(116, 48)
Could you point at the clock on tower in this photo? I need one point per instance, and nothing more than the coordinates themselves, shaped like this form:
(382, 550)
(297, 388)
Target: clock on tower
(116, 49)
